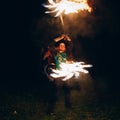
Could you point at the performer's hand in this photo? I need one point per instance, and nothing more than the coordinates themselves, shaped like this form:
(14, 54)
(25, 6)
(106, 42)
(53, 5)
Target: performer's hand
(67, 38)
(69, 62)
(63, 36)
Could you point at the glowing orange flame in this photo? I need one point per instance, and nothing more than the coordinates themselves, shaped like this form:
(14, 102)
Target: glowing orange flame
(67, 6)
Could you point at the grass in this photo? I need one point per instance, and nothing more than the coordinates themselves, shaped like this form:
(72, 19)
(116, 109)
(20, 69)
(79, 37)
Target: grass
(87, 104)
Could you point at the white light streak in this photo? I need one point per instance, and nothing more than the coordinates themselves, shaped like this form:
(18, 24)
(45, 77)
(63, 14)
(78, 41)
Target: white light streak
(69, 70)
(67, 6)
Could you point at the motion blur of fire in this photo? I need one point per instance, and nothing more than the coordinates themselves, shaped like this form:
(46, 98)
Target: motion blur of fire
(64, 68)
(67, 6)
(59, 7)
(69, 70)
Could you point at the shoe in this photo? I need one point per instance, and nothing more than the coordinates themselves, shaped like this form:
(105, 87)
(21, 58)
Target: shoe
(50, 113)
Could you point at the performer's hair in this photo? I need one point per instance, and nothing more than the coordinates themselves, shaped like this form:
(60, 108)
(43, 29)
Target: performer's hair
(61, 41)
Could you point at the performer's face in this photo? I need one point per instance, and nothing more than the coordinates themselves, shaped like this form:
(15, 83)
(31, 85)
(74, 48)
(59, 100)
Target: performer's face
(62, 47)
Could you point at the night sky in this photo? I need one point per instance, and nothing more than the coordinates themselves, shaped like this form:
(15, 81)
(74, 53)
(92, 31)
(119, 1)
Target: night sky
(25, 32)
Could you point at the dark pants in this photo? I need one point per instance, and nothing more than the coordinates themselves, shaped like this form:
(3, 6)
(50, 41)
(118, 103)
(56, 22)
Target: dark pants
(66, 90)
(53, 96)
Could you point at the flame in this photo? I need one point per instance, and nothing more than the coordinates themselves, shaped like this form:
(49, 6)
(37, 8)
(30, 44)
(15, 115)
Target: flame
(67, 6)
(68, 70)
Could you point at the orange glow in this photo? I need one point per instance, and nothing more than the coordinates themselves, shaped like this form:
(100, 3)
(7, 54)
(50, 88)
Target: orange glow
(67, 6)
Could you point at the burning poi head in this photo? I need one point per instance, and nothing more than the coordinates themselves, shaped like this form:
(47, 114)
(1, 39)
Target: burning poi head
(69, 70)
(61, 7)
(67, 6)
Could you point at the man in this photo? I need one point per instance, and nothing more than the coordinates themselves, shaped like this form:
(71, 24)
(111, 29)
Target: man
(61, 45)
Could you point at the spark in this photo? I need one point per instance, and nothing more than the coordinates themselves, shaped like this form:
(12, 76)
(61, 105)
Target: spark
(67, 6)
(69, 70)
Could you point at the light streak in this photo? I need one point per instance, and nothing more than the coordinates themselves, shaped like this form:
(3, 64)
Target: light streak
(67, 6)
(69, 70)
(60, 7)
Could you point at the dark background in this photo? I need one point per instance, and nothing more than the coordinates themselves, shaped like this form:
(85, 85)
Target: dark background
(22, 42)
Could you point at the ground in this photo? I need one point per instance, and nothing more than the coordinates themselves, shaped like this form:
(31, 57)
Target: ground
(92, 101)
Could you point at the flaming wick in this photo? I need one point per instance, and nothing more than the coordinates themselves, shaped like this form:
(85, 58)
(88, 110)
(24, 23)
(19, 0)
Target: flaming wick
(66, 7)
(69, 70)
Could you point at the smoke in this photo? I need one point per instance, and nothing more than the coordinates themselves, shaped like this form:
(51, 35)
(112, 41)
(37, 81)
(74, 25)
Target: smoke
(80, 25)
(52, 26)
(49, 27)
(45, 30)
(76, 24)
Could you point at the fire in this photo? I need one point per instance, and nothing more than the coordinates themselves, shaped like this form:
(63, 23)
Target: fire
(69, 70)
(60, 7)
(67, 6)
